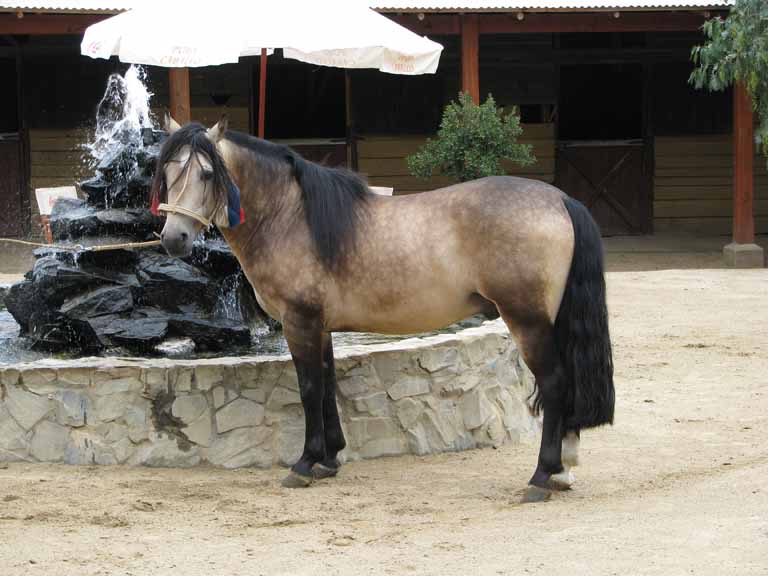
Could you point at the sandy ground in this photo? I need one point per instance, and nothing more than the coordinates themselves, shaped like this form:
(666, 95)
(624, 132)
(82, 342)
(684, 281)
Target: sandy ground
(675, 487)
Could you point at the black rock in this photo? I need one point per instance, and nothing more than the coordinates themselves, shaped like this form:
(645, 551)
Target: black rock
(54, 281)
(216, 334)
(215, 257)
(83, 221)
(53, 332)
(22, 301)
(119, 163)
(97, 191)
(74, 223)
(170, 284)
(99, 302)
(140, 332)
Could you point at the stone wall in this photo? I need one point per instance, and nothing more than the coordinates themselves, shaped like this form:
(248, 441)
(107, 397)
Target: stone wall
(416, 396)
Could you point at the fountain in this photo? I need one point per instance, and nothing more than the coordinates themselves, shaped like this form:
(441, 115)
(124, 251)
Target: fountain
(90, 301)
(238, 404)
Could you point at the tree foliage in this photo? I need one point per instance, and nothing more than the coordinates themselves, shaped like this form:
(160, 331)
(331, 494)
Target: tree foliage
(471, 142)
(736, 49)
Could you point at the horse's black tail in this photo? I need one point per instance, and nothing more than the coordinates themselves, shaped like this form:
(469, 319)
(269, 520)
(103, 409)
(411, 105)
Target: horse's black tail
(581, 329)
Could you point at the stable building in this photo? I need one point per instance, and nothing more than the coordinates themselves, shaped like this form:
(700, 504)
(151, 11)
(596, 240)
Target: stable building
(602, 88)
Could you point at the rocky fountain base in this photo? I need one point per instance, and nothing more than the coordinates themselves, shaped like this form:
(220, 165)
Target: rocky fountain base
(417, 396)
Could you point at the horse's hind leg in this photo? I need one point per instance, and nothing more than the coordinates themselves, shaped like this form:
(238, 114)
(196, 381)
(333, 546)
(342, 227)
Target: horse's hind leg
(535, 336)
(334, 436)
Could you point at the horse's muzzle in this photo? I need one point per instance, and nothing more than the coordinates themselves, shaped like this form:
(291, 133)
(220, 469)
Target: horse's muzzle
(177, 245)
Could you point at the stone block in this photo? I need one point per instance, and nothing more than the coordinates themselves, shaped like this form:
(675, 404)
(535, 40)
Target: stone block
(200, 431)
(744, 255)
(13, 438)
(26, 408)
(221, 396)
(239, 413)
(164, 450)
(475, 409)
(71, 408)
(408, 386)
(188, 408)
(289, 442)
(282, 397)
(372, 437)
(9, 376)
(87, 448)
(408, 412)
(155, 380)
(180, 379)
(41, 382)
(256, 394)
(116, 380)
(111, 432)
(137, 421)
(376, 404)
(112, 407)
(49, 442)
(242, 447)
(439, 358)
(208, 376)
(73, 377)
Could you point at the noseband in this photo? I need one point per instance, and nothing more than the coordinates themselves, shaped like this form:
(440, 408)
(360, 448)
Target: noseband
(176, 209)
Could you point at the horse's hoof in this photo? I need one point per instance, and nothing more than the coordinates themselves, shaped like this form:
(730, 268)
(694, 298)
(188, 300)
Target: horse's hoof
(535, 494)
(562, 481)
(320, 471)
(294, 480)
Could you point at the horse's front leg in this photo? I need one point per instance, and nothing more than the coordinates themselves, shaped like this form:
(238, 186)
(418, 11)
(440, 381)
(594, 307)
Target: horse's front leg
(304, 336)
(334, 436)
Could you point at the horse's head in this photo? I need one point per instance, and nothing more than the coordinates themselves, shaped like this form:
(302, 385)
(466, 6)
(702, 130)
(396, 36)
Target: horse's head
(192, 185)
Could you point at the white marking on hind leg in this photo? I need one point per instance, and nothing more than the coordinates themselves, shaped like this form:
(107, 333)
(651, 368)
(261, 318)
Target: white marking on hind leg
(562, 480)
(570, 452)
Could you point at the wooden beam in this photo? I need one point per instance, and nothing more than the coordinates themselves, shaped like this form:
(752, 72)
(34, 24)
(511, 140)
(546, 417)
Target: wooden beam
(743, 166)
(48, 24)
(179, 95)
(263, 93)
(552, 23)
(470, 56)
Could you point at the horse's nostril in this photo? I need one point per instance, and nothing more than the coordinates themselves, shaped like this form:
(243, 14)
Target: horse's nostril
(162, 236)
(184, 236)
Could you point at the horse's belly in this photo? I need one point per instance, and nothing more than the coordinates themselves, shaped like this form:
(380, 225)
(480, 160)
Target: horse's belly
(410, 315)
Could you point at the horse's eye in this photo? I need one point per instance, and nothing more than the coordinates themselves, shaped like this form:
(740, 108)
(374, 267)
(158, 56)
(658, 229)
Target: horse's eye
(206, 175)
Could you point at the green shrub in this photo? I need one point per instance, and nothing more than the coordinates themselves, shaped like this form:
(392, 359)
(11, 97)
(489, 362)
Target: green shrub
(471, 142)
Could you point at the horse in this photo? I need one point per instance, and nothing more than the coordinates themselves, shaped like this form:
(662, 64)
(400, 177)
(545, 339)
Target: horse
(324, 254)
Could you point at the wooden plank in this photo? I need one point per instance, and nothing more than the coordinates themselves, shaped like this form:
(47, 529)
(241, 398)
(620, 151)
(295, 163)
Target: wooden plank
(552, 23)
(180, 107)
(470, 56)
(703, 226)
(48, 24)
(698, 208)
(744, 207)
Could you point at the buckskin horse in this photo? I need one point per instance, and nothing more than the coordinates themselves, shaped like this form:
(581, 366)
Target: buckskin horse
(324, 255)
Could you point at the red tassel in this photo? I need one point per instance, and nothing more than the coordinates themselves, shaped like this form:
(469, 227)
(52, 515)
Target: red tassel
(155, 206)
(242, 215)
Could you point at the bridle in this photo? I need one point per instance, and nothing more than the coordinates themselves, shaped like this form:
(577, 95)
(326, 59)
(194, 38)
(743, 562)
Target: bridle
(176, 209)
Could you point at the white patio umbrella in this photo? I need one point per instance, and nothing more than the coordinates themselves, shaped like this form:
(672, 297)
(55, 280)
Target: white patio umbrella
(339, 33)
(344, 34)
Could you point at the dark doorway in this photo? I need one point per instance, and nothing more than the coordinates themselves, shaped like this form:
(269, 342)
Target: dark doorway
(602, 157)
(13, 217)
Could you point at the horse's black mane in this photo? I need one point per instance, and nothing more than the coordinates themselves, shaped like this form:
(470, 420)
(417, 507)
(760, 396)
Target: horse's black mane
(333, 200)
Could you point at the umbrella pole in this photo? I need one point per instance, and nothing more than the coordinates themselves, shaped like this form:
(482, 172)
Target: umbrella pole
(262, 91)
(179, 95)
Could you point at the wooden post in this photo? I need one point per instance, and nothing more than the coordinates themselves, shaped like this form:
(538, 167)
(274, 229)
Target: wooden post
(179, 95)
(743, 252)
(262, 92)
(470, 56)
(743, 166)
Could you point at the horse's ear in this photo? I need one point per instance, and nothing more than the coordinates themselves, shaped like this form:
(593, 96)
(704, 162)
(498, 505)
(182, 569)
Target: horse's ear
(217, 132)
(169, 124)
